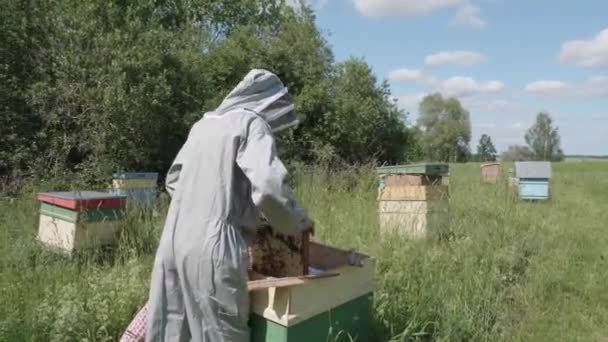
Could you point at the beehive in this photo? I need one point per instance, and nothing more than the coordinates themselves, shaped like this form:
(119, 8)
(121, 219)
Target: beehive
(139, 187)
(70, 220)
(332, 303)
(413, 200)
(490, 172)
(278, 255)
(335, 297)
(533, 180)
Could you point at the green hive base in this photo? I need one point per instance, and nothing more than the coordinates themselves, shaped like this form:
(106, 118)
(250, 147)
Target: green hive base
(350, 320)
(327, 309)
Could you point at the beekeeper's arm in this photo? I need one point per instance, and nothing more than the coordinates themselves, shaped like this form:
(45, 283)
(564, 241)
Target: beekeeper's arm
(173, 177)
(258, 159)
(176, 167)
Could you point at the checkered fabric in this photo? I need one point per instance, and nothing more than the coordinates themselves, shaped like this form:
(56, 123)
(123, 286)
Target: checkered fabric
(136, 331)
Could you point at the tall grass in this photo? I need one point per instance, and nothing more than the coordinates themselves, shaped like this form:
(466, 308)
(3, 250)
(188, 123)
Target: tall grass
(510, 270)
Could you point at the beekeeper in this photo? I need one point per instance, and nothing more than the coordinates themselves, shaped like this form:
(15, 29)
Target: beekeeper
(226, 173)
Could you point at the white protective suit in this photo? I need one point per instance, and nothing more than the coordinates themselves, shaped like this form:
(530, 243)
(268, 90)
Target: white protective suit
(226, 171)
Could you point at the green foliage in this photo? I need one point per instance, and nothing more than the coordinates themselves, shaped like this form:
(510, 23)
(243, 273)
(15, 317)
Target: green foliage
(544, 139)
(23, 28)
(365, 125)
(517, 153)
(486, 150)
(93, 87)
(446, 129)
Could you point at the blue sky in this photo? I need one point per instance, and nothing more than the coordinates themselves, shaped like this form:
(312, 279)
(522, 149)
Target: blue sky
(506, 60)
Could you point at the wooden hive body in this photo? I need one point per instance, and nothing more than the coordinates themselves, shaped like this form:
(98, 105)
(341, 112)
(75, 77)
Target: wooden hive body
(414, 204)
(73, 220)
(490, 172)
(278, 255)
(139, 187)
(336, 296)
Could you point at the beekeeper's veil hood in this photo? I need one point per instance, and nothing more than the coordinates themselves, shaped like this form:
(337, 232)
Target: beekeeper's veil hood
(263, 93)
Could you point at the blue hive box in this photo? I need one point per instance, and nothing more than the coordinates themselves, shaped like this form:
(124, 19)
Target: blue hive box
(533, 180)
(139, 187)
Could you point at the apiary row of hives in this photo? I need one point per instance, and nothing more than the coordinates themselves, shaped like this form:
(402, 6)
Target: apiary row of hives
(413, 200)
(300, 289)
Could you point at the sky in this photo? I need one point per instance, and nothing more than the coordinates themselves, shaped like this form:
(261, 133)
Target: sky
(505, 60)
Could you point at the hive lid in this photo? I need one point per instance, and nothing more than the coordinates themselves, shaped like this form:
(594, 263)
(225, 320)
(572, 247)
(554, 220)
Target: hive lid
(83, 199)
(434, 169)
(135, 175)
(533, 169)
(489, 164)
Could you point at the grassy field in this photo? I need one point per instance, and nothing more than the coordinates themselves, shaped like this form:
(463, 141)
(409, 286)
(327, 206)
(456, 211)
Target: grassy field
(511, 271)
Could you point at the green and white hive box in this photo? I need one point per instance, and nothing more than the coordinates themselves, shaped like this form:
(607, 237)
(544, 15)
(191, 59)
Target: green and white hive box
(413, 200)
(70, 220)
(139, 187)
(321, 307)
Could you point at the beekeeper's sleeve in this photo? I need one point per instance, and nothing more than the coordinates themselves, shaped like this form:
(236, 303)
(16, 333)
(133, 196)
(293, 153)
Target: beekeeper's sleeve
(258, 159)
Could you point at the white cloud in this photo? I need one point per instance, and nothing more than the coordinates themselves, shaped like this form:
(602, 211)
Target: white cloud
(594, 87)
(493, 105)
(468, 15)
(405, 75)
(469, 91)
(485, 96)
(546, 87)
(316, 4)
(410, 102)
(460, 86)
(599, 116)
(386, 8)
(516, 125)
(587, 53)
(485, 125)
(459, 57)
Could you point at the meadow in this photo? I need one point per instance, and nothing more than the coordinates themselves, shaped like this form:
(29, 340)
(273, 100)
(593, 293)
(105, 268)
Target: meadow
(509, 271)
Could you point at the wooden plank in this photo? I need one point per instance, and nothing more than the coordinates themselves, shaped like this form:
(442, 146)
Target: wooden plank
(57, 233)
(323, 294)
(413, 193)
(490, 173)
(134, 183)
(293, 304)
(328, 258)
(413, 207)
(414, 225)
(256, 285)
(67, 236)
(262, 284)
(398, 180)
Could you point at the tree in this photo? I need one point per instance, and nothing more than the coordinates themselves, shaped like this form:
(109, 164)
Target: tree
(486, 150)
(517, 153)
(446, 129)
(90, 87)
(365, 124)
(544, 140)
